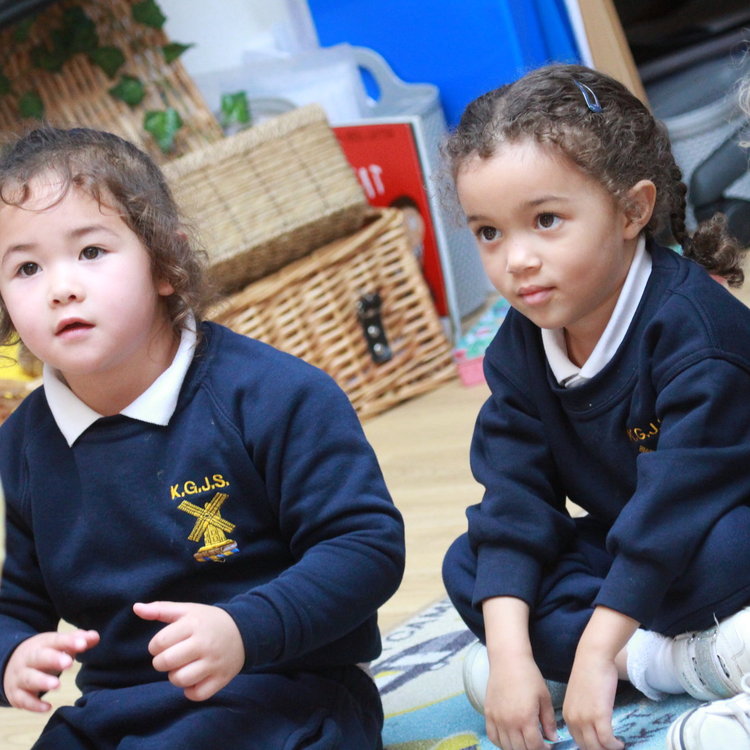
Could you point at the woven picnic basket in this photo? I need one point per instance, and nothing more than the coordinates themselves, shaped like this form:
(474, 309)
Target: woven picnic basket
(268, 195)
(78, 94)
(309, 309)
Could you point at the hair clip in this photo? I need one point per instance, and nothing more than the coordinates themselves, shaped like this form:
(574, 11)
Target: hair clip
(589, 97)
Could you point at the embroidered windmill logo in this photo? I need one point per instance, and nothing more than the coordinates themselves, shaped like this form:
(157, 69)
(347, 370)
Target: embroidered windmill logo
(212, 528)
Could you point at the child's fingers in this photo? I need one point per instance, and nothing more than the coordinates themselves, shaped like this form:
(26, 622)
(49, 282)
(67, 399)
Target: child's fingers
(26, 689)
(596, 737)
(189, 675)
(50, 660)
(548, 722)
(171, 613)
(73, 642)
(35, 665)
(161, 611)
(203, 690)
(173, 656)
(29, 702)
(37, 681)
(90, 638)
(81, 640)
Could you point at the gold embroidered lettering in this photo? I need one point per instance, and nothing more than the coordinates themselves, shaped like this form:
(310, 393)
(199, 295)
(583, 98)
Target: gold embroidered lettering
(639, 434)
(191, 487)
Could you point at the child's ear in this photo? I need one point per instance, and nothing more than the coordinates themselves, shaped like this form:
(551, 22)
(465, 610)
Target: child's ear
(164, 288)
(639, 207)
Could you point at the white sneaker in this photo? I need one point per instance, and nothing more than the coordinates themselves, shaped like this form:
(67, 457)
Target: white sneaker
(476, 673)
(711, 663)
(721, 725)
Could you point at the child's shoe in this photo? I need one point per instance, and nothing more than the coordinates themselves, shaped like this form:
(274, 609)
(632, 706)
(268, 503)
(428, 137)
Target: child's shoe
(711, 663)
(477, 674)
(721, 725)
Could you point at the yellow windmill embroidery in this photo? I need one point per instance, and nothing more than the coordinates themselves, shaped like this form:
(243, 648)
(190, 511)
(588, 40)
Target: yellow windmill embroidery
(212, 527)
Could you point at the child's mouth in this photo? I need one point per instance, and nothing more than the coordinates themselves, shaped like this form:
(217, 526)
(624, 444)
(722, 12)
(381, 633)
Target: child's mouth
(73, 325)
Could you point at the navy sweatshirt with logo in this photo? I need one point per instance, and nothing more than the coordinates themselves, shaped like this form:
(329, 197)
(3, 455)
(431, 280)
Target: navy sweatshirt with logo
(261, 496)
(656, 447)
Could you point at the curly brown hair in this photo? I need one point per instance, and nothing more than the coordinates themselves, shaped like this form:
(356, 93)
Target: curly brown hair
(616, 141)
(120, 176)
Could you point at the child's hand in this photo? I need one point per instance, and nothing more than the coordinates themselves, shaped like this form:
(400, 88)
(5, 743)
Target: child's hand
(589, 699)
(34, 667)
(517, 702)
(201, 648)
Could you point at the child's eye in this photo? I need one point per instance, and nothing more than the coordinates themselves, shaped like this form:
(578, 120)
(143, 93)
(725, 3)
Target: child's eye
(547, 221)
(28, 269)
(91, 252)
(487, 234)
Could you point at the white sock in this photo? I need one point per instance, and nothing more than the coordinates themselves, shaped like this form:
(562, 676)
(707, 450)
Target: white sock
(650, 665)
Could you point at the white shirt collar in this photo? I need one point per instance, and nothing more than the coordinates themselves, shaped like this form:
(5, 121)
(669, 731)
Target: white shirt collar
(155, 405)
(566, 372)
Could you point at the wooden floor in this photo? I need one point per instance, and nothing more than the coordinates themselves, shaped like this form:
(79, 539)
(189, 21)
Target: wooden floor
(423, 447)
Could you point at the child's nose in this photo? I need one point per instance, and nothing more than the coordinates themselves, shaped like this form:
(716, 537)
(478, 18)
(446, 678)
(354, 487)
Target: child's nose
(65, 289)
(520, 257)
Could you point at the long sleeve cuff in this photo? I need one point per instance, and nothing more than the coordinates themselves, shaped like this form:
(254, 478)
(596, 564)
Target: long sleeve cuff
(634, 587)
(506, 572)
(261, 628)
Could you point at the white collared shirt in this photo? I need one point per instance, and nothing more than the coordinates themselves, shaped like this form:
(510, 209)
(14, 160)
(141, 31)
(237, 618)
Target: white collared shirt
(569, 374)
(155, 405)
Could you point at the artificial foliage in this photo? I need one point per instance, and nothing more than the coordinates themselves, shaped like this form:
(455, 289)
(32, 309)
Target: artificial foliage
(55, 42)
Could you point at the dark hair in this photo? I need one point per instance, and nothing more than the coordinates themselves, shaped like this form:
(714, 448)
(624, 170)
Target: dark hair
(609, 134)
(112, 171)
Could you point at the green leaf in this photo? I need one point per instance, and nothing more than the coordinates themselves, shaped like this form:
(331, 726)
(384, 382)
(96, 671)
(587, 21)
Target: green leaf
(48, 59)
(149, 14)
(5, 85)
(22, 28)
(78, 32)
(31, 105)
(109, 59)
(129, 90)
(173, 50)
(234, 109)
(163, 124)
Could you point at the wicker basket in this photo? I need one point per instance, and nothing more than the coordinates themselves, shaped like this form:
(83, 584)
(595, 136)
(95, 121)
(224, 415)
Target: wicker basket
(268, 195)
(309, 308)
(78, 95)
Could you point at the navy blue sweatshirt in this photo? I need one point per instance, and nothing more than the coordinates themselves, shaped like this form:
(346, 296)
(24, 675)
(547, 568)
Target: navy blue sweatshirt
(656, 446)
(264, 461)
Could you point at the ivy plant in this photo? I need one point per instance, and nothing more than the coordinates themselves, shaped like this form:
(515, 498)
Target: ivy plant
(77, 34)
(149, 14)
(163, 124)
(235, 112)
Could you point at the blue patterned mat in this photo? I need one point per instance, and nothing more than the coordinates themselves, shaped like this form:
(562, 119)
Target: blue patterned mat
(419, 677)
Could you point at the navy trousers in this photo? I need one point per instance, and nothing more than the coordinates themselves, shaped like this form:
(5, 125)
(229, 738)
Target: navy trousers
(338, 709)
(715, 585)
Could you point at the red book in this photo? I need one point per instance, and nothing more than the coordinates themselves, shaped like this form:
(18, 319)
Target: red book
(386, 160)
